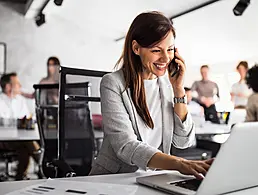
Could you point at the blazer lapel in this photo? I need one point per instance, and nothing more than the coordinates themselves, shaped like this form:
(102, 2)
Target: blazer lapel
(166, 94)
(138, 123)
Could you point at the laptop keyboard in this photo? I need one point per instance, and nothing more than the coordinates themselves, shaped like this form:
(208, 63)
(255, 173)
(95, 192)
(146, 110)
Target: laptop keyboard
(192, 184)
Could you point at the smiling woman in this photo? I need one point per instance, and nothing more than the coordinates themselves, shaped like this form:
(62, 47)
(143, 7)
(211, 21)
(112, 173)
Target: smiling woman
(140, 118)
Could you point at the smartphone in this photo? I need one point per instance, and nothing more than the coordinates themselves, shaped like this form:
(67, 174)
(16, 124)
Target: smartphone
(173, 67)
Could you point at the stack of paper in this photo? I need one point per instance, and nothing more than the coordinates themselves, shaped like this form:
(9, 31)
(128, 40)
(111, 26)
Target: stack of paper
(57, 187)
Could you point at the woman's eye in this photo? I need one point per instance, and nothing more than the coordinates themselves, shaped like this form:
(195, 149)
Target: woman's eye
(155, 51)
(171, 49)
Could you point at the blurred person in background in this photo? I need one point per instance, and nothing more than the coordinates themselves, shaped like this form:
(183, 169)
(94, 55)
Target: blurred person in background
(207, 93)
(240, 91)
(252, 103)
(13, 106)
(53, 65)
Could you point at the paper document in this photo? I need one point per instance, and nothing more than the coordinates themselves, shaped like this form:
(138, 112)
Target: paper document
(57, 187)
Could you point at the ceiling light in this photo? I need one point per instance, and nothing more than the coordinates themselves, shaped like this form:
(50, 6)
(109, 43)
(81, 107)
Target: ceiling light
(241, 7)
(40, 19)
(58, 2)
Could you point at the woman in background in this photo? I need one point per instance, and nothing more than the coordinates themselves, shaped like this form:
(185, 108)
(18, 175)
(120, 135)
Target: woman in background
(240, 91)
(52, 77)
(53, 65)
(252, 104)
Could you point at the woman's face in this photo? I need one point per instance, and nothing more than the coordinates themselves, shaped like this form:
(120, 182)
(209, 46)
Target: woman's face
(51, 67)
(155, 60)
(242, 71)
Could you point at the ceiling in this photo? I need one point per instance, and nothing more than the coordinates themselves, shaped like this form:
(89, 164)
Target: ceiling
(111, 19)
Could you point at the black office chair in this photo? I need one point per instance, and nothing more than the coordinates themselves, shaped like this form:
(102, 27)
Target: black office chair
(7, 156)
(43, 111)
(77, 144)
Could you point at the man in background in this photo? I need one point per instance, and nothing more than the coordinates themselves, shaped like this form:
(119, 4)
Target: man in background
(13, 106)
(207, 94)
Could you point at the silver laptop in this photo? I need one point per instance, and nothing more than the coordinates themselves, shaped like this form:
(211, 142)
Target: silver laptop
(234, 169)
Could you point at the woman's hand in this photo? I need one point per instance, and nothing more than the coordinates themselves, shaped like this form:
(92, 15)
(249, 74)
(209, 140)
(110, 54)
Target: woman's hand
(191, 167)
(177, 81)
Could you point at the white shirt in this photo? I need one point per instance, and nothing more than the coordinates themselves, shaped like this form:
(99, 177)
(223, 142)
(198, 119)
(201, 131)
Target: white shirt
(153, 136)
(13, 107)
(240, 87)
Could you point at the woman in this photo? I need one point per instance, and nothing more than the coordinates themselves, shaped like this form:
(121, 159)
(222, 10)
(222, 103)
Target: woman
(53, 65)
(140, 120)
(240, 91)
(252, 104)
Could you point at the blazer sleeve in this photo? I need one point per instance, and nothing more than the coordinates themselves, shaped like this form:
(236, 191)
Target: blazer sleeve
(118, 127)
(184, 132)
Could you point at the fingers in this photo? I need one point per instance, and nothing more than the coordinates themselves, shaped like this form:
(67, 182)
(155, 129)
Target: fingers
(196, 174)
(201, 170)
(209, 161)
(181, 64)
(179, 60)
(206, 166)
(179, 56)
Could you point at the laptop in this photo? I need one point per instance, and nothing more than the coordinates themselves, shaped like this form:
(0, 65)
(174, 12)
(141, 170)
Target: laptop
(234, 169)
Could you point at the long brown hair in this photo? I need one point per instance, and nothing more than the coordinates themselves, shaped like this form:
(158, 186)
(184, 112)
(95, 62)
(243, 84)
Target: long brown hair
(147, 29)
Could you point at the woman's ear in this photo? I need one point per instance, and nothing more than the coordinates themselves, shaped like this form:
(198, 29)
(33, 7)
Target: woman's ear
(136, 47)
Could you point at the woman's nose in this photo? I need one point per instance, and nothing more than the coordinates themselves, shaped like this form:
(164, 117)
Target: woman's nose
(165, 57)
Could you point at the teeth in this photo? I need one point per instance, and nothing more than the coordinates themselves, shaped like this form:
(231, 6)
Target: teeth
(160, 66)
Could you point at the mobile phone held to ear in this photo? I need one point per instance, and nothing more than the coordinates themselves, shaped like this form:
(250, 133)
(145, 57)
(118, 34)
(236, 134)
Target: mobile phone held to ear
(173, 67)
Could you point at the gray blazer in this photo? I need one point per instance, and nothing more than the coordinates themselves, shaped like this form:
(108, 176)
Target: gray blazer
(124, 148)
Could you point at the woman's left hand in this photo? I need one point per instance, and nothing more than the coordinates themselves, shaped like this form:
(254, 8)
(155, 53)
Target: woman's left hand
(177, 81)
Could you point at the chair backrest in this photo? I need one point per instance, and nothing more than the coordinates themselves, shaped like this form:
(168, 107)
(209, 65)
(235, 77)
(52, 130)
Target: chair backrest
(76, 143)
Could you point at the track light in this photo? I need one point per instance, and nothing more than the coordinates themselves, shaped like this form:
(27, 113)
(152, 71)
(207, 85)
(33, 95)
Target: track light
(40, 19)
(241, 7)
(58, 2)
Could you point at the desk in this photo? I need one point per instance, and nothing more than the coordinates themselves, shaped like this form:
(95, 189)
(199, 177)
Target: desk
(14, 134)
(127, 179)
(212, 129)
(210, 136)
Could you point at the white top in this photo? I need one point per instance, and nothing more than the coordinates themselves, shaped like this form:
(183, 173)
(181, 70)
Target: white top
(153, 136)
(240, 87)
(13, 107)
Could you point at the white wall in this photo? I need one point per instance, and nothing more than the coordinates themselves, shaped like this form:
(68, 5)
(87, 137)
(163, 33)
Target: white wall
(214, 36)
(29, 46)
(211, 35)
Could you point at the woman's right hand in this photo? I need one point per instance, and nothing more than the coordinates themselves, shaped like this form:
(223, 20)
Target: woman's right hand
(192, 167)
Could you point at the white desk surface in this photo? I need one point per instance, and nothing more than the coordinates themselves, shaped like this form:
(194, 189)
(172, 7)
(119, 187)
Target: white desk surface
(126, 179)
(209, 128)
(14, 134)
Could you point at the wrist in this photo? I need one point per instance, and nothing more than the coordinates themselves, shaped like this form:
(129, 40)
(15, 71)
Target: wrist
(179, 92)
